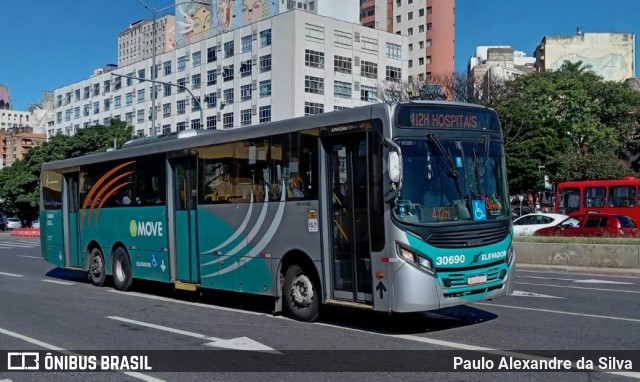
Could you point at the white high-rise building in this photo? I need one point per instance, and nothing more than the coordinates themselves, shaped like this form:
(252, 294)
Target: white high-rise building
(286, 66)
(136, 42)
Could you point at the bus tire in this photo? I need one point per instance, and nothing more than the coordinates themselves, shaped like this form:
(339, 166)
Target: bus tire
(97, 270)
(301, 295)
(122, 276)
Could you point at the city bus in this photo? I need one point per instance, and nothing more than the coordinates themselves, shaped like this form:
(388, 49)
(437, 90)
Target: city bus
(614, 196)
(322, 209)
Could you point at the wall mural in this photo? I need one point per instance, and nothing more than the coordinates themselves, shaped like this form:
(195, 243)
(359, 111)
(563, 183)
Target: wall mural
(221, 16)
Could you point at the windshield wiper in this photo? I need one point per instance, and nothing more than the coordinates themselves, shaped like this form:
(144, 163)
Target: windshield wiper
(453, 171)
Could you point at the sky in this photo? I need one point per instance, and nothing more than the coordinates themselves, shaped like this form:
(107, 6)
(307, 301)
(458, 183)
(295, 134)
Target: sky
(48, 44)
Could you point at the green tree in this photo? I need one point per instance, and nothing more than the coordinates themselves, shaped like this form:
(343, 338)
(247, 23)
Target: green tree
(20, 183)
(570, 121)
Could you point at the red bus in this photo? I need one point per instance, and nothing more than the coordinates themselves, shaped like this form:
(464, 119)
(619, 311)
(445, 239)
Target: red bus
(617, 196)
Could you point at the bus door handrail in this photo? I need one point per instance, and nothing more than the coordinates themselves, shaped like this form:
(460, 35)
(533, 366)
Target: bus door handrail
(394, 191)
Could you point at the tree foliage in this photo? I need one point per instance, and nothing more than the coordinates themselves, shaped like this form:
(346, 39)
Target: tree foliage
(20, 183)
(570, 121)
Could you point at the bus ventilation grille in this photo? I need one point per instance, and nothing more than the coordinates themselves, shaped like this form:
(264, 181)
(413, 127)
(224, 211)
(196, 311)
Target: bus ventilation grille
(468, 238)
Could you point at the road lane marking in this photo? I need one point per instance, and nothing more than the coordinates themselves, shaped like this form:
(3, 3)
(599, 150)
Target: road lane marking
(58, 282)
(576, 274)
(560, 312)
(144, 377)
(30, 257)
(588, 281)
(240, 343)
(17, 245)
(201, 305)
(519, 293)
(10, 274)
(577, 287)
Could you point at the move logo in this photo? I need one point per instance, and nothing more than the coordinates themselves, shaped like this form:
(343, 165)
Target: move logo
(145, 228)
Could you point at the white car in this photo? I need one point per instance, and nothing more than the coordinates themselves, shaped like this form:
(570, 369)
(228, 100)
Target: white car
(526, 225)
(13, 223)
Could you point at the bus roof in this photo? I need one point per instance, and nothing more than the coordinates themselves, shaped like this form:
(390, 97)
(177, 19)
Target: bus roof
(601, 183)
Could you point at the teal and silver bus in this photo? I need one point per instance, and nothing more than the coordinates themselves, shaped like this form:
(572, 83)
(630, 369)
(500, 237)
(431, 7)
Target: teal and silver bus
(391, 208)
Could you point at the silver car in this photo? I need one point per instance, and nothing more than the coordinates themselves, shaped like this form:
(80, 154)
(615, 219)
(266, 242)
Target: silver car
(13, 223)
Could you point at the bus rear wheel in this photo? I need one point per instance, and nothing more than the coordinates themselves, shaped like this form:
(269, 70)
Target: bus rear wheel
(301, 296)
(97, 270)
(122, 276)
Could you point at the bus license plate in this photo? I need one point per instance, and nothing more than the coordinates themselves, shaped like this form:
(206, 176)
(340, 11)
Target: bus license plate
(476, 279)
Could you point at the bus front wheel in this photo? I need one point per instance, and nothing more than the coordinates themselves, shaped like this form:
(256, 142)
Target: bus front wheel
(96, 268)
(301, 294)
(122, 277)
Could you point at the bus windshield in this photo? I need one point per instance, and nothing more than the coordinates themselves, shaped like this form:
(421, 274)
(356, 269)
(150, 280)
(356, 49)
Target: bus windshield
(451, 180)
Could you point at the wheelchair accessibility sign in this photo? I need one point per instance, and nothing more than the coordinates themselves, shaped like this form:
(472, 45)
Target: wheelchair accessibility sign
(479, 210)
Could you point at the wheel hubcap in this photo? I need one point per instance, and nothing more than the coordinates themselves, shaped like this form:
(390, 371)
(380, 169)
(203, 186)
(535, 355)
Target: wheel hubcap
(120, 270)
(302, 291)
(96, 268)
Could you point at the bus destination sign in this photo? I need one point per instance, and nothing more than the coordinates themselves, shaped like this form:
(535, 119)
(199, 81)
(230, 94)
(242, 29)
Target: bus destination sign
(445, 118)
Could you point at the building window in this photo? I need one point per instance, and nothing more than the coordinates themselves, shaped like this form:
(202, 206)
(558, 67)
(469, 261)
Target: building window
(67, 115)
(343, 39)
(212, 100)
(420, 28)
(227, 73)
(211, 122)
(212, 77)
(265, 38)
(410, 47)
(245, 68)
(369, 69)
(421, 43)
(166, 129)
(227, 95)
(314, 59)
(368, 93)
(313, 108)
(167, 90)
(212, 54)
(166, 110)
(96, 90)
(429, 10)
(410, 64)
(421, 12)
(107, 86)
(141, 96)
(314, 85)
(180, 106)
(227, 120)
(77, 92)
(107, 105)
(130, 80)
(86, 94)
(428, 43)
(265, 88)
(195, 105)
(228, 49)
(264, 114)
(76, 112)
(195, 81)
(181, 126)
(342, 89)
(410, 32)
(410, 15)
(394, 74)
(245, 92)
(96, 107)
(428, 60)
(314, 33)
(429, 26)
(338, 108)
(182, 63)
(181, 85)
(265, 63)
(195, 59)
(140, 116)
(129, 99)
(245, 117)
(246, 44)
(167, 68)
(421, 61)
(394, 51)
(195, 124)
(398, 19)
(342, 64)
(117, 101)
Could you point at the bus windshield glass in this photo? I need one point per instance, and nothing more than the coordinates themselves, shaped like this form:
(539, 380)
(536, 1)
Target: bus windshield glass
(451, 180)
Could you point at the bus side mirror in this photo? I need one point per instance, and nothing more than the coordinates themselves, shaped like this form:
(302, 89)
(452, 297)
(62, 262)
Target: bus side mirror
(394, 167)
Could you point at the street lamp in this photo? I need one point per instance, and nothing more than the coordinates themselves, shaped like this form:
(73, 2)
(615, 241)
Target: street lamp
(170, 84)
(153, 67)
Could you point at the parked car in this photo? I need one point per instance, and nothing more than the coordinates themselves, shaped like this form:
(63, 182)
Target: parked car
(528, 224)
(35, 223)
(13, 223)
(593, 224)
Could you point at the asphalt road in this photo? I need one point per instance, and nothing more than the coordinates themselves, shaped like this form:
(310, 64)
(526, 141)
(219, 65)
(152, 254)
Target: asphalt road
(44, 308)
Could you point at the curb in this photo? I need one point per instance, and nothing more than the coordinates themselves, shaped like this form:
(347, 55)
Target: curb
(26, 232)
(585, 270)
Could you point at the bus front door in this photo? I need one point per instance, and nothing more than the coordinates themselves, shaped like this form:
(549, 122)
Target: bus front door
(73, 258)
(349, 219)
(185, 202)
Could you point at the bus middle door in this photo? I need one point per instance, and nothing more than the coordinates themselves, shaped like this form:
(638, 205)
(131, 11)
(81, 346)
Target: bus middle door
(185, 203)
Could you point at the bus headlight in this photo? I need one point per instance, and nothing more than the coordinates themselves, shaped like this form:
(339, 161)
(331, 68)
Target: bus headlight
(510, 253)
(414, 258)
